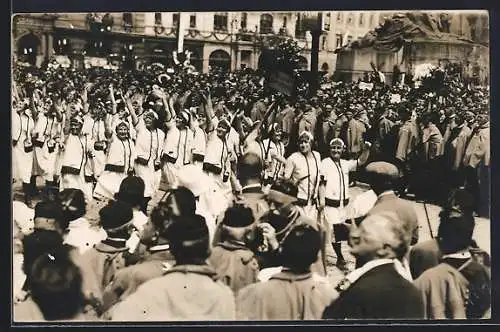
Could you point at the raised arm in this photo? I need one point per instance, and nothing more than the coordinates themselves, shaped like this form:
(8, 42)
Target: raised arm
(130, 108)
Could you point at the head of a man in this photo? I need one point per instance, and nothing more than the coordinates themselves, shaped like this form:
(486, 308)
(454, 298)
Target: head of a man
(281, 194)
(189, 240)
(379, 236)
(300, 248)
(382, 176)
(249, 168)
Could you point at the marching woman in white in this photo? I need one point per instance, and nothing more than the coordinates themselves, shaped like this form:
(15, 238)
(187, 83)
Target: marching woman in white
(148, 146)
(334, 193)
(46, 134)
(76, 155)
(302, 168)
(219, 164)
(119, 160)
(22, 148)
(198, 121)
(177, 148)
(274, 150)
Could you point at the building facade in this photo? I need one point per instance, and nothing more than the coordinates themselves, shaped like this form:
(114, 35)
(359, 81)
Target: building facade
(232, 40)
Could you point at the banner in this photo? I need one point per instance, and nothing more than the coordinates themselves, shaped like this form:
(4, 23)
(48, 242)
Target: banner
(365, 86)
(282, 82)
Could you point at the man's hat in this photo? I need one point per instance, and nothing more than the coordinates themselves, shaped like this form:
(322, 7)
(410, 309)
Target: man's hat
(188, 230)
(301, 246)
(131, 190)
(115, 216)
(238, 216)
(286, 189)
(383, 168)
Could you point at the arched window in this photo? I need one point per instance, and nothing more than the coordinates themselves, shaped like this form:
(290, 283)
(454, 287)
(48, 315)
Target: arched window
(266, 23)
(324, 66)
(220, 59)
(28, 48)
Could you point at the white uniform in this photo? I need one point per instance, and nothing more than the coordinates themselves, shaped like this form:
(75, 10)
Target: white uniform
(199, 146)
(95, 132)
(178, 150)
(149, 147)
(336, 176)
(120, 159)
(277, 168)
(217, 163)
(22, 161)
(47, 130)
(305, 171)
(75, 159)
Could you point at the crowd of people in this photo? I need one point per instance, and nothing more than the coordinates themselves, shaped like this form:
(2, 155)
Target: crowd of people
(254, 190)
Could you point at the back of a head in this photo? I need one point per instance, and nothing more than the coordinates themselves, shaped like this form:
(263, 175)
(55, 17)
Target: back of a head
(56, 285)
(455, 233)
(72, 204)
(38, 243)
(115, 218)
(300, 248)
(382, 176)
(249, 167)
(189, 239)
(50, 214)
(185, 200)
(131, 190)
(392, 231)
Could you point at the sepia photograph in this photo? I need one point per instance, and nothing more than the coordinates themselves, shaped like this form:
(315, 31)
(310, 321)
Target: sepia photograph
(250, 166)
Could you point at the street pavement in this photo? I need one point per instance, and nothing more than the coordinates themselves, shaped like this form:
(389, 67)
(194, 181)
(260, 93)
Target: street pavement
(482, 233)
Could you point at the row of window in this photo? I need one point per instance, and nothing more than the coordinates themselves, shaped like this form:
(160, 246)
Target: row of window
(350, 18)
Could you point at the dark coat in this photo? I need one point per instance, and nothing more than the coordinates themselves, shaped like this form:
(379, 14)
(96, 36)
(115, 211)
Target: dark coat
(381, 293)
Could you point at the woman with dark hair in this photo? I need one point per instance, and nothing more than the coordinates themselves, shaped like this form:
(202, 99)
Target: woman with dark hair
(294, 293)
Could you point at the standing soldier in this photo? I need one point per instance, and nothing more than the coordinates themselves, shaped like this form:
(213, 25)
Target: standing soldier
(433, 144)
(454, 150)
(406, 147)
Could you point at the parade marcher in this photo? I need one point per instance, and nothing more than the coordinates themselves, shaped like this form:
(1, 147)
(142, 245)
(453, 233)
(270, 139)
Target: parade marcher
(177, 149)
(120, 159)
(302, 167)
(459, 287)
(477, 165)
(189, 290)
(274, 164)
(77, 154)
(47, 131)
(376, 244)
(233, 260)
(22, 151)
(219, 164)
(149, 147)
(294, 293)
(334, 193)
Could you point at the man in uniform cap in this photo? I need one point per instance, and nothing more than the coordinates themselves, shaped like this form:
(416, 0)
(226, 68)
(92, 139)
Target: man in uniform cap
(190, 290)
(294, 293)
